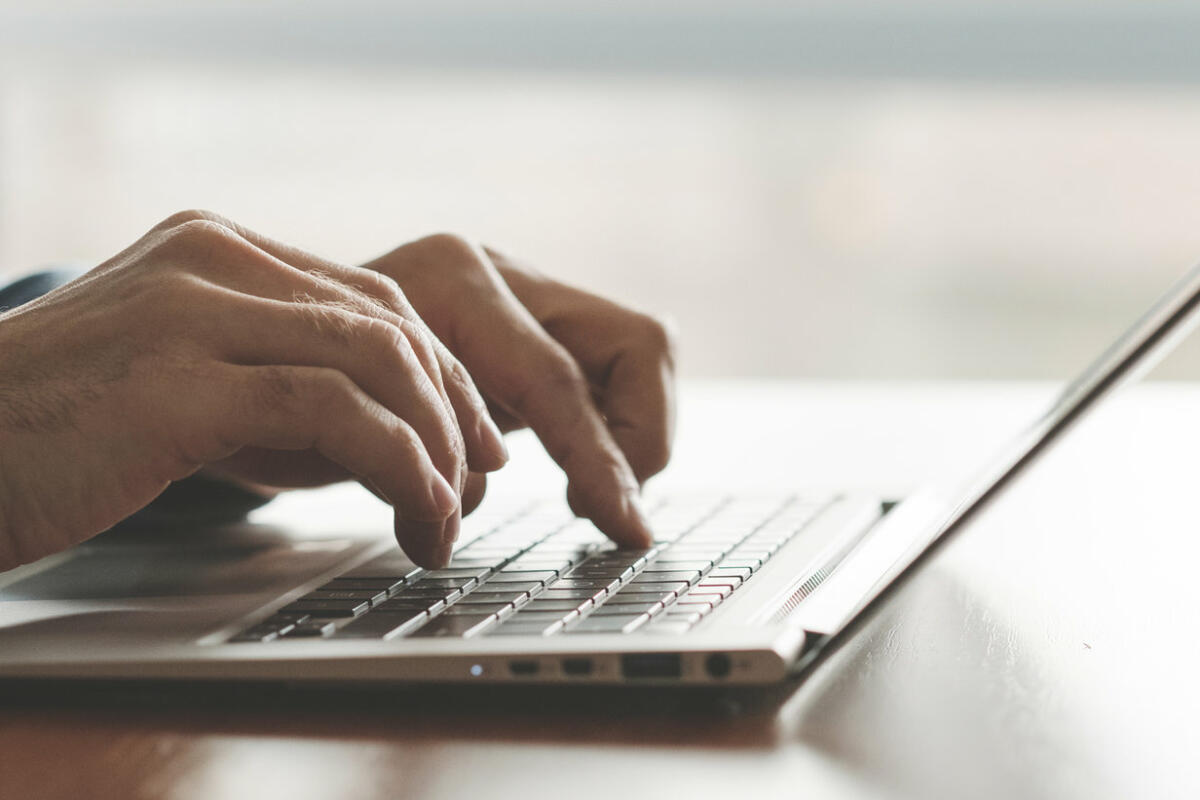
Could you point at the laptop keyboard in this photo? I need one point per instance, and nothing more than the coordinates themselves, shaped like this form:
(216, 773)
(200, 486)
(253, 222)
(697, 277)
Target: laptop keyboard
(543, 572)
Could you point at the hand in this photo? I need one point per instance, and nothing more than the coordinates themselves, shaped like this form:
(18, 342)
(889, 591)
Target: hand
(206, 344)
(592, 379)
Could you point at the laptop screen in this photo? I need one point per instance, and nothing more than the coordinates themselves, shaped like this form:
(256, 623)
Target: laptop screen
(918, 526)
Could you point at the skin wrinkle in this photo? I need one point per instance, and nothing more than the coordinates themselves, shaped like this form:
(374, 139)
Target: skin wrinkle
(129, 365)
(33, 401)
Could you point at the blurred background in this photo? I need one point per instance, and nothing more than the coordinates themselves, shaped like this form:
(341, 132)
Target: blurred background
(821, 190)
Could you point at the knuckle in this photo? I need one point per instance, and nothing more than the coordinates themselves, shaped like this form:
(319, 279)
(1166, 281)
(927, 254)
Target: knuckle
(448, 242)
(459, 376)
(327, 387)
(454, 252)
(195, 239)
(386, 290)
(558, 379)
(186, 216)
(331, 321)
(659, 335)
(563, 375)
(418, 337)
(388, 338)
(171, 301)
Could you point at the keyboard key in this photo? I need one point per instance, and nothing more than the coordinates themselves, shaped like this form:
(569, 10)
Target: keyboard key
(414, 593)
(476, 563)
(614, 609)
(593, 584)
(619, 558)
(469, 572)
(515, 588)
(459, 609)
(657, 586)
(740, 563)
(539, 564)
(380, 626)
(312, 628)
(259, 633)
(485, 597)
(553, 551)
(370, 595)
(445, 583)
(690, 617)
(507, 575)
(391, 565)
(328, 608)
(704, 588)
(650, 575)
(670, 564)
(694, 552)
(515, 628)
(541, 617)
(722, 571)
(556, 605)
(624, 624)
(646, 600)
(461, 626)
(400, 606)
(587, 571)
(689, 603)
(382, 584)
(555, 593)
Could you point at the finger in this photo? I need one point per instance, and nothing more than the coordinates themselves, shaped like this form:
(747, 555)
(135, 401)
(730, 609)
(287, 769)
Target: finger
(298, 408)
(473, 495)
(520, 367)
(486, 451)
(281, 468)
(552, 395)
(289, 273)
(631, 356)
(371, 352)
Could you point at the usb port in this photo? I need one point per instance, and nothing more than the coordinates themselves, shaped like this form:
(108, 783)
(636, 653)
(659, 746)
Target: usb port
(523, 667)
(577, 667)
(651, 665)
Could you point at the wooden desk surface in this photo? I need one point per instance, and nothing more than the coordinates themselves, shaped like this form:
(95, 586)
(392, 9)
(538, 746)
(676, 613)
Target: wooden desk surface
(1050, 652)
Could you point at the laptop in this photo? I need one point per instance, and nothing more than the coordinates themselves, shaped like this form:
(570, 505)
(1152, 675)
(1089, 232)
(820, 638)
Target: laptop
(739, 590)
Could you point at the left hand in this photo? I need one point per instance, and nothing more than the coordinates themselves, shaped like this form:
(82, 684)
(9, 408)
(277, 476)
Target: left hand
(594, 380)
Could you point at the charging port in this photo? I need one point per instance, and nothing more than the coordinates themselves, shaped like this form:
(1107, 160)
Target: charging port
(523, 667)
(651, 665)
(577, 667)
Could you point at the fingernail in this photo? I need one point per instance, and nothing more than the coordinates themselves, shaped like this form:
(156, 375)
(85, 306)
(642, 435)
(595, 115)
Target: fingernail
(633, 502)
(492, 439)
(440, 556)
(451, 528)
(445, 499)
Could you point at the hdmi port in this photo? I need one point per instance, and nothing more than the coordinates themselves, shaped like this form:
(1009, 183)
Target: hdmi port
(523, 667)
(652, 665)
(577, 667)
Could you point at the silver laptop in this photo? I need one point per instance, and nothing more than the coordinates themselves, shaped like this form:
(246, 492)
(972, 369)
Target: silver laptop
(737, 590)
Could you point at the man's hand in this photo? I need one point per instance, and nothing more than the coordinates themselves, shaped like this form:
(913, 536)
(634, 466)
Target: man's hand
(204, 343)
(592, 379)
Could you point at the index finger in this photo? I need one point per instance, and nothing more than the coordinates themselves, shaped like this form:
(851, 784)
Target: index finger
(534, 378)
(629, 354)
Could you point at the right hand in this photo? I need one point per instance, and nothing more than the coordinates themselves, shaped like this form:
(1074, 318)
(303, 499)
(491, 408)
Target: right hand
(203, 343)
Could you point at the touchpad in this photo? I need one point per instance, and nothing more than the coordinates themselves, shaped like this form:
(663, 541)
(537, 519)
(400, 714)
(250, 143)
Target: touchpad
(108, 573)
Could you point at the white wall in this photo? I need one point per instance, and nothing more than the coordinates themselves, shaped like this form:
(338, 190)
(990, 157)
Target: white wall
(919, 210)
